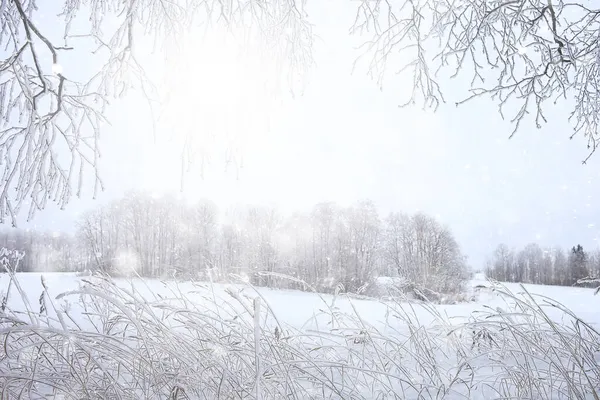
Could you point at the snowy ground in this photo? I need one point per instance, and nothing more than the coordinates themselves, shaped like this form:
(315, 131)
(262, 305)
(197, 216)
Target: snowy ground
(299, 308)
(328, 334)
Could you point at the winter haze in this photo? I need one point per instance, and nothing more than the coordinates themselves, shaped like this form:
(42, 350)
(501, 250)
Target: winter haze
(343, 139)
(274, 199)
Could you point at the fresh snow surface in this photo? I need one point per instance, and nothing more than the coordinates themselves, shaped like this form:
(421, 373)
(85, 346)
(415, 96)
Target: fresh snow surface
(297, 308)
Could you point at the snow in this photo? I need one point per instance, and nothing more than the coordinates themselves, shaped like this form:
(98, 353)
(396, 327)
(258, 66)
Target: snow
(297, 309)
(390, 281)
(330, 316)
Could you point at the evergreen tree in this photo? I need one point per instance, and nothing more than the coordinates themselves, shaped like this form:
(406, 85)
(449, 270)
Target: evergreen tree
(577, 264)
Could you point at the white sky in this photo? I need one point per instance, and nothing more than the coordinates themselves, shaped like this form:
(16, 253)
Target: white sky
(344, 140)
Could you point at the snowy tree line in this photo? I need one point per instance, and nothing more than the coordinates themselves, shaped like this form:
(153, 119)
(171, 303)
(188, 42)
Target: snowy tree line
(545, 266)
(329, 247)
(43, 251)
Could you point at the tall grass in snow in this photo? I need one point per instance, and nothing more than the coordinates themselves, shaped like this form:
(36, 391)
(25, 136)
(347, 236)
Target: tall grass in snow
(115, 340)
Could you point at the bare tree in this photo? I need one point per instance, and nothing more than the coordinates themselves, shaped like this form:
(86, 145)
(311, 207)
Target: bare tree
(424, 252)
(92, 234)
(524, 54)
(323, 218)
(51, 118)
(594, 264)
(533, 255)
(296, 244)
(231, 249)
(203, 221)
(364, 230)
(560, 267)
(503, 263)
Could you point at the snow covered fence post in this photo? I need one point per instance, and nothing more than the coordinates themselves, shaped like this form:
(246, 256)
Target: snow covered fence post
(257, 344)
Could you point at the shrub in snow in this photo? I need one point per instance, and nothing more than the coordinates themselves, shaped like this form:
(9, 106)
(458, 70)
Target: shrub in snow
(10, 260)
(390, 287)
(424, 253)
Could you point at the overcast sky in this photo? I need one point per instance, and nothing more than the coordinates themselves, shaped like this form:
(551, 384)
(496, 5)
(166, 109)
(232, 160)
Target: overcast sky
(344, 140)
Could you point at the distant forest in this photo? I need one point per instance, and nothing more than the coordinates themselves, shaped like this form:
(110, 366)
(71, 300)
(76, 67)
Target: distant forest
(545, 266)
(330, 248)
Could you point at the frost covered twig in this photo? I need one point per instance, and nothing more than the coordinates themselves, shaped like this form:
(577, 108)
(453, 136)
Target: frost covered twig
(51, 117)
(525, 55)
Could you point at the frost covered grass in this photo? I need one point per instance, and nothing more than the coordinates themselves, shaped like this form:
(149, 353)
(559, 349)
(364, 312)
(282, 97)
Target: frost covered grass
(95, 337)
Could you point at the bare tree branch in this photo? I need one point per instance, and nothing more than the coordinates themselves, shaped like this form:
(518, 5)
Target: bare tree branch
(523, 54)
(50, 125)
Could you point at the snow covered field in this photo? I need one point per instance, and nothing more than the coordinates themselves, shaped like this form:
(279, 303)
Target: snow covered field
(153, 339)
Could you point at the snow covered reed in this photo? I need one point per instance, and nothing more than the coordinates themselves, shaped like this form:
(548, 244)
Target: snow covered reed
(115, 339)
